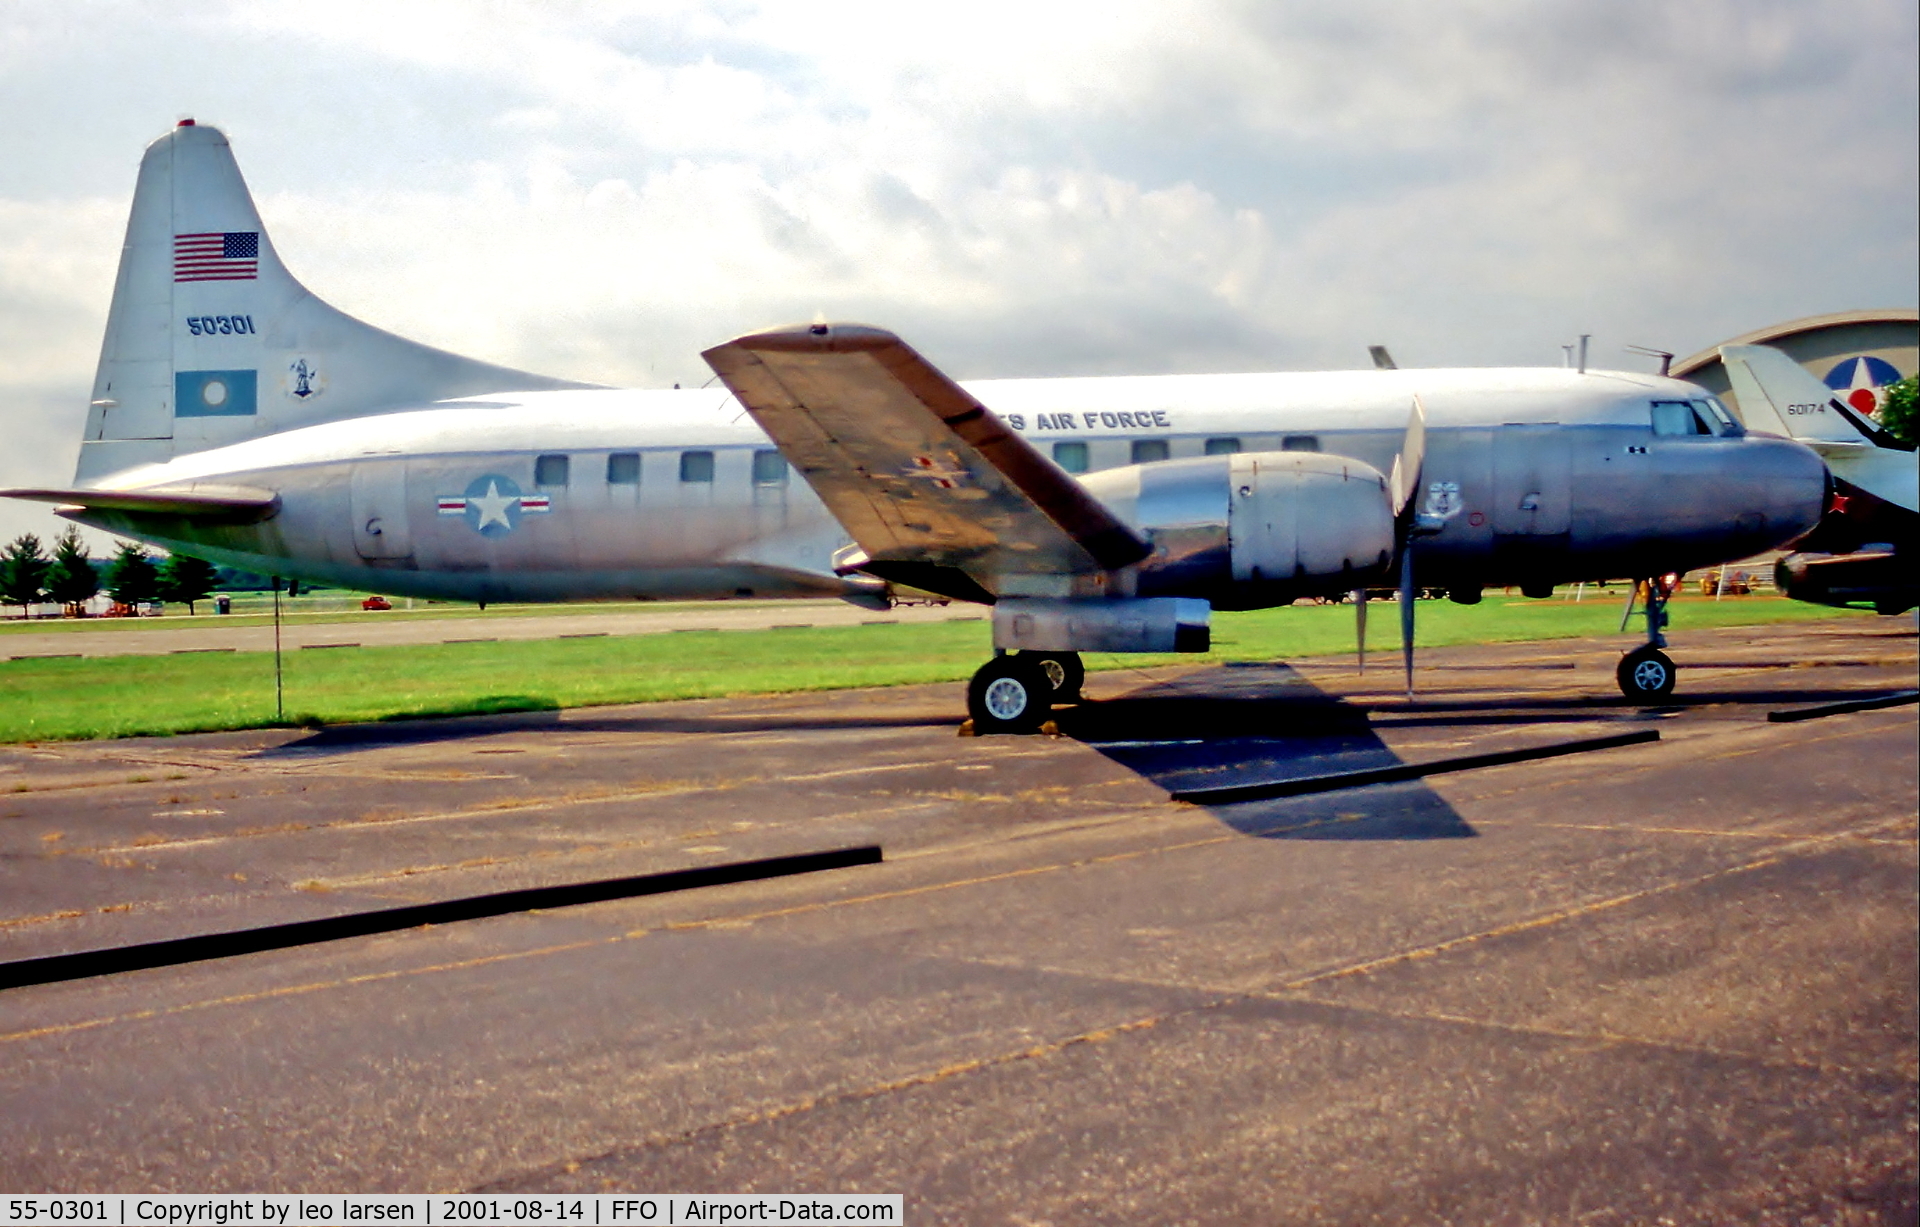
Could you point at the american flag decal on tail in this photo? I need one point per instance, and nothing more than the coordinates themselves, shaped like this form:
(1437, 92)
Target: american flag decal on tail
(230, 256)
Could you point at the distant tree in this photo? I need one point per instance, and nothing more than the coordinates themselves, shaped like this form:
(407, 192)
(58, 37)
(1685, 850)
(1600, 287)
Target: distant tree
(23, 573)
(71, 579)
(1897, 413)
(186, 579)
(131, 576)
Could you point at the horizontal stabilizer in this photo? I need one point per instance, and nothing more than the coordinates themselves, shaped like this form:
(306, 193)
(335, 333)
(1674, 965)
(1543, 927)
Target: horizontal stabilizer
(914, 467)
(211, 504)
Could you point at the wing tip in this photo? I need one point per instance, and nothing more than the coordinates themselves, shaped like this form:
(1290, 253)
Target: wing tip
(815, 338)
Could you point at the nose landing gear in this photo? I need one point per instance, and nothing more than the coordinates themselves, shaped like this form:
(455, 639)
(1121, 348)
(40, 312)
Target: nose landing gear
(1646, 674)
(1015, 693)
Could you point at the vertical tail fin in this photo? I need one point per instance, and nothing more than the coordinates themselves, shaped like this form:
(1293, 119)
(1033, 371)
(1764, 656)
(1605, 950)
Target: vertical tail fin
(1778, 394)
(210, 340)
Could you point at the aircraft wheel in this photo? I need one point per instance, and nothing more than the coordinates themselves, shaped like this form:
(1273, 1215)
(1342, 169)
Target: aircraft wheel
(1064, 671)
(1645, 674)
(1009, 694)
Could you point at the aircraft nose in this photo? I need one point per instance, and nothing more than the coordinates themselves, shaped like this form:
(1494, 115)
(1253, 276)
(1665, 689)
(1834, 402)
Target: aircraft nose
(1789, 482)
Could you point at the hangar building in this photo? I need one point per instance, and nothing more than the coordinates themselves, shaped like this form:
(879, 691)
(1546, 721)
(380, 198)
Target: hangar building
(1856, 353)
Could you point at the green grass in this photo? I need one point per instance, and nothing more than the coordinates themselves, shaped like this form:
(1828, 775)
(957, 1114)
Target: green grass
(156, 695)
(256, 609)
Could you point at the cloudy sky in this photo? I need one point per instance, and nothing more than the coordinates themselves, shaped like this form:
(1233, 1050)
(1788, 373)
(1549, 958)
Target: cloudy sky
(601, 189)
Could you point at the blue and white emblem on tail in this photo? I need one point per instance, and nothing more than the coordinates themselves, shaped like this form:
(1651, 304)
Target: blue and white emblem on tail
(215, 394)
(494, 504)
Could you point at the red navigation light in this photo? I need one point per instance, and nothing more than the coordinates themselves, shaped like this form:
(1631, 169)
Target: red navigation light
(185, 123)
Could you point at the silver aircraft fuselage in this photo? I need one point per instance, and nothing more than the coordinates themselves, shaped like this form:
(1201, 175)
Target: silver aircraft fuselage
(1535, 477)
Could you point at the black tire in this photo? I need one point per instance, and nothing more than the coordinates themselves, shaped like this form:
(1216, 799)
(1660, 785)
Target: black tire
(1646, 675)
(1064, 670)
(1009, 694)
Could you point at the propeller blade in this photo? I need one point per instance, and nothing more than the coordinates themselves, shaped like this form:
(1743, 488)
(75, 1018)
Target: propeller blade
(1403, 485)
(1406, 612)
(1404, 481)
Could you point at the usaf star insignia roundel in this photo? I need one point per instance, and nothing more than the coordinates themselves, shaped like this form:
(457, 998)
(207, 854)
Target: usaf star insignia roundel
(493, 505)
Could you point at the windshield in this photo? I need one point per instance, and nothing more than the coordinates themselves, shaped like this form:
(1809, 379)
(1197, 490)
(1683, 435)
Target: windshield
(1693, 417)
(1724, 420)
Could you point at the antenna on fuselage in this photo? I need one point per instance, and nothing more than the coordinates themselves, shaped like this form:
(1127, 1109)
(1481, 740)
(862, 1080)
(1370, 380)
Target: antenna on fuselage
(1666, 358)
(1584, 338)
(1382, 360)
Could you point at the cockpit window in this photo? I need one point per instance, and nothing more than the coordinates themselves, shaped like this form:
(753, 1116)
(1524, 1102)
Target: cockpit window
(1724, 423)
(1678, 417)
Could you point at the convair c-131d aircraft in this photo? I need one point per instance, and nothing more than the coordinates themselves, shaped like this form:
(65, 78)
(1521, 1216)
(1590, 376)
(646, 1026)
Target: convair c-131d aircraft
(237, 417)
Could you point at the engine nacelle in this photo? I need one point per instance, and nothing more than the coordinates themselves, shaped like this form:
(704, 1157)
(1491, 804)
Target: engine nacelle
(1254, 529)
(1152, 624)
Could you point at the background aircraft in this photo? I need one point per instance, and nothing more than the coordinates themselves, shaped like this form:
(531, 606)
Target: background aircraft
(237, 417)
(1863, 551)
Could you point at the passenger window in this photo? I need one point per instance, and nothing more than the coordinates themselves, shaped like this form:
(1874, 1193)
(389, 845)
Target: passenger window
(1222, 447)
(1071, 456)
(1677, 417)
(550, 471)
(769, 468)
(1300, 443)
(1146, 451)
(696, 466)
(623, 469)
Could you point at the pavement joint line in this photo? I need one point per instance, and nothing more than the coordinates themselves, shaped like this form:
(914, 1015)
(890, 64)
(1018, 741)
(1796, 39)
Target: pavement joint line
(625, 845)
(1611, 1038)
(934, 887)
(392, 876)
(1592, 907)
(1098, 1035)
(312, 986)
(173, 952)
(511, 808)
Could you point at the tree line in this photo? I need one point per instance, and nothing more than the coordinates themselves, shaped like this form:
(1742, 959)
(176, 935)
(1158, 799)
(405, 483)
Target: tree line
(69, 578)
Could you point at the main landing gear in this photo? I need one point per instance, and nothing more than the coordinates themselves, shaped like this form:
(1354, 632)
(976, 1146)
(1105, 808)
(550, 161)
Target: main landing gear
(1646, 674)
(1015, 692)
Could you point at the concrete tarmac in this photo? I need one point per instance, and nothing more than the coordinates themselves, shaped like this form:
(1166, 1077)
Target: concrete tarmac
(1670, 982)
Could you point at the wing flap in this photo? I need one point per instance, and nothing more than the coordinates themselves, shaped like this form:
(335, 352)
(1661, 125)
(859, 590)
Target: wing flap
(916, 469)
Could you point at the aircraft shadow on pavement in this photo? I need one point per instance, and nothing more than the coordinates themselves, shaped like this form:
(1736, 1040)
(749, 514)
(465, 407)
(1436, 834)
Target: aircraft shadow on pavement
(347, 738)
(1259, 724)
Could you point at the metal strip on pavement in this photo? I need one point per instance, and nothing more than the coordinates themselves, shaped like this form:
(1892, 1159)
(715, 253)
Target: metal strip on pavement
(114, 960)
(1839, 709)
(1267, 789)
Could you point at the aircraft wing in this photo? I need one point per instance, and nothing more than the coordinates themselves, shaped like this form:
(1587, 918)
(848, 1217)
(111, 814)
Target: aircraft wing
(926, 478)
(213, 504)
